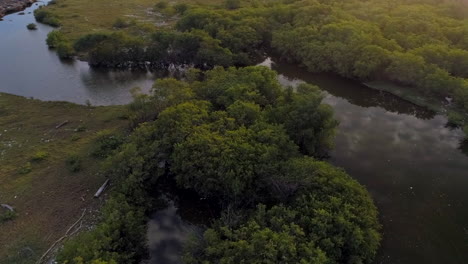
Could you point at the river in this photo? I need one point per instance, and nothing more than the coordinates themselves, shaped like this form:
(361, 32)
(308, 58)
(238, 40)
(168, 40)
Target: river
(29, 68)
(412, 163)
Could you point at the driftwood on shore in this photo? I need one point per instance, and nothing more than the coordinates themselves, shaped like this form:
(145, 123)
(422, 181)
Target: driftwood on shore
(101, 189)
(11, 6)
(61, 124)
(8, 207)
(67, 234)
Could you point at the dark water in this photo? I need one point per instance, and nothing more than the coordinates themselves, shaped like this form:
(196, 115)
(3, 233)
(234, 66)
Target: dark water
(412, 164)
(29, 68)
(415, 167)
(185, 217)
(168, 233)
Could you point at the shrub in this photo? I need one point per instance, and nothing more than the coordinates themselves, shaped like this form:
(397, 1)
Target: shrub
(46, 17)
(65, 50)
(54, 38)
(232, 4)
(52, 21)
(142, 109)
(120, 238)
(80, 128)
(105, 143)
(40, 14)
(89, 41)
(120, 23)
(180, 8)
(25, 169)
(40, 156)
(455, 118)
(32, 26)
(73, 163)
(161, 5)
(7, 216)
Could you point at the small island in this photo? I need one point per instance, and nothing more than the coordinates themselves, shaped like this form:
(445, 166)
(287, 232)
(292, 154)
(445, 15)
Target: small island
(31, 26)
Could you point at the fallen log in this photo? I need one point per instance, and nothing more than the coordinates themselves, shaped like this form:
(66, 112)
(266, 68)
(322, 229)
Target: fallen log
(6, 206)
(61, 124)
(101, 189)
(67, 234)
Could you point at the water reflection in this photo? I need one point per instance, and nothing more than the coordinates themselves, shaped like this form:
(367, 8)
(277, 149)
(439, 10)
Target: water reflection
(167, 233)
(464, 146)
(29, 68)
(354, 92)
(414, 166)
(186, 215)
(411, 162)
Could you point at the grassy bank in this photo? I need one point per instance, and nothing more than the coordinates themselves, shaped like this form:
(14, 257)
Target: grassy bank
(80, 17)
(35, 178)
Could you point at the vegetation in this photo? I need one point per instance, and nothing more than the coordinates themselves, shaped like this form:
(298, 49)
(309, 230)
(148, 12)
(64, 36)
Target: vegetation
(40, 156)
(418, 45)
(55, 39)
(46, 17)
(161, 5)
(31, 26)
(81, 17)
(224, 135)
(74, 163)
(105, 143)
(7, 215)
(317, 224)
(25, 169)
(47, 199)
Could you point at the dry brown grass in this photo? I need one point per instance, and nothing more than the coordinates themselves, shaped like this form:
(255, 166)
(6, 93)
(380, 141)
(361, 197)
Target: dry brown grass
(49, 198)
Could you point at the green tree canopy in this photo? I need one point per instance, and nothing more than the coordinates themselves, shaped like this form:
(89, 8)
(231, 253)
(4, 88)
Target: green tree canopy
(329, 219)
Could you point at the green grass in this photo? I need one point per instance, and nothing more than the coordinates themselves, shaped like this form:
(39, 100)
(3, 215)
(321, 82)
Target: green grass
(80, 17)
(35, 178)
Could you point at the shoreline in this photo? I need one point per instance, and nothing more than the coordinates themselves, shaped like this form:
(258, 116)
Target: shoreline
(9, 6)
(405, 94)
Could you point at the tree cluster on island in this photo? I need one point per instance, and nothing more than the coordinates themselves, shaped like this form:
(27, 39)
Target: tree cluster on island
(236, 137)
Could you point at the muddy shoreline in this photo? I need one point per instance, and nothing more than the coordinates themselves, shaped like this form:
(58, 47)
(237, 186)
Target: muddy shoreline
(12, 6)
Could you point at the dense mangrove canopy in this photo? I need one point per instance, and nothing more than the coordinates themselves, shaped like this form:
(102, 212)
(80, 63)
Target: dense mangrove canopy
(418, 43)
(239, 138)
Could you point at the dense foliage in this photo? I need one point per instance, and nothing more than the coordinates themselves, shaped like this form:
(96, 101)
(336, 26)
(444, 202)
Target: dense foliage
(421, 44)
(56, 40)
(326, 221)
(228, 134)
(412, 43)
(46, 17)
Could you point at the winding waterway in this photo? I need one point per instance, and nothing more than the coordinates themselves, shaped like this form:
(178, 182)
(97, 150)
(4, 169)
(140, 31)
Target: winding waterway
(29, 68)
(411, 162)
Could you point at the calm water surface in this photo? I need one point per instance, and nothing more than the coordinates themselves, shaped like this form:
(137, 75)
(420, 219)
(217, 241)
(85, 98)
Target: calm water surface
(29, 68)
(412, 164)
(185, 217)
(410, 161)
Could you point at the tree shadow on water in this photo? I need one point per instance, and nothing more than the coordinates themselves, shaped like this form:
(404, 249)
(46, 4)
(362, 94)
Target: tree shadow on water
(464, 146)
